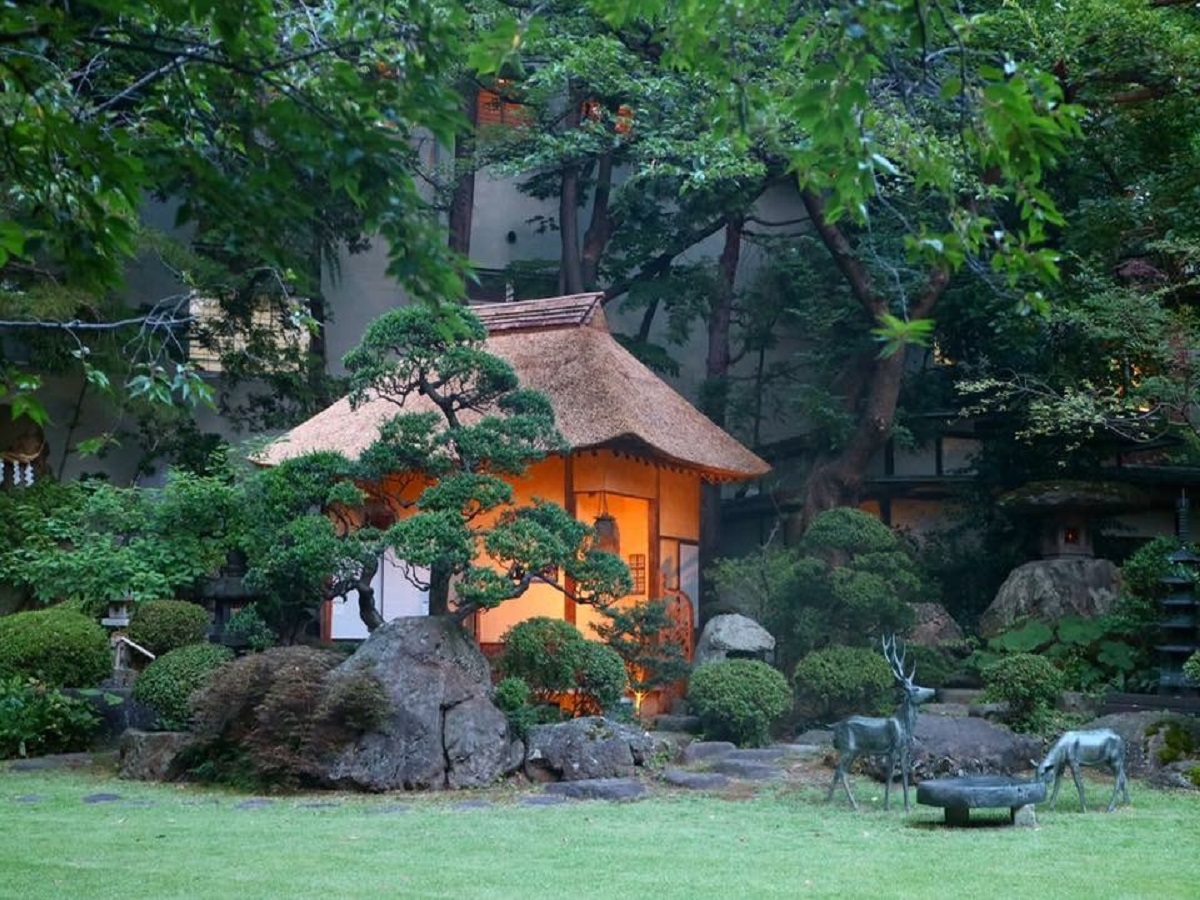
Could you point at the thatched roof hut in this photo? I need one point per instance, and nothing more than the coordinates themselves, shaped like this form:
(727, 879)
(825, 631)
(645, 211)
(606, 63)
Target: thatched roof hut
(638, 454)
(601, 394)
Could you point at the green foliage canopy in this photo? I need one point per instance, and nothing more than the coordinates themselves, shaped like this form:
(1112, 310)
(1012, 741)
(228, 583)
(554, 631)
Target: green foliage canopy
(277, 130)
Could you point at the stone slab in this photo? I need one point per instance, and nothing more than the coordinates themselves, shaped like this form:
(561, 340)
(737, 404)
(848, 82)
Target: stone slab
(599, 789)
(695, 781)
(958, 796)
(980, 792)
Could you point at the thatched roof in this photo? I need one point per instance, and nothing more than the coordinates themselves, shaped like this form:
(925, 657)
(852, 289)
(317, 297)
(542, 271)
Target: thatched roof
(602, 396)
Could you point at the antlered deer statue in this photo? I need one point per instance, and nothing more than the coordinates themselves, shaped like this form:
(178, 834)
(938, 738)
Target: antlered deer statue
(867, 736)
(1100, 747)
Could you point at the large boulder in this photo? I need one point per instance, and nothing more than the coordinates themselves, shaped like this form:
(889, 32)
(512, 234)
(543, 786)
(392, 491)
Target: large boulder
(1049, 589)
(152, 755)
(733, 635)
(441, 729)
(585, 748)
(933, 626)
(947, 747)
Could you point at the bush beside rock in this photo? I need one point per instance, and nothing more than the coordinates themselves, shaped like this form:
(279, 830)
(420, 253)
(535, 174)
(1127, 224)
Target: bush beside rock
(165, 625)
(58, 647)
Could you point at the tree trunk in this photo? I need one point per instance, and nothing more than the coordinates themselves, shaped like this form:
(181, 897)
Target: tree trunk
(715, 395)
(837, 479)
(571, 273)
(462, 201)
(439, 590)
(366, 597)
(600, 229)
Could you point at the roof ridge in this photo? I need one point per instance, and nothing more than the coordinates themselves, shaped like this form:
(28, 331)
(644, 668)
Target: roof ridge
(566, 311)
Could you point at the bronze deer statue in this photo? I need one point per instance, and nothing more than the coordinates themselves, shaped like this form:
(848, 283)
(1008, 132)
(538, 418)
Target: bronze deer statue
(867, 736)
(1099, 747)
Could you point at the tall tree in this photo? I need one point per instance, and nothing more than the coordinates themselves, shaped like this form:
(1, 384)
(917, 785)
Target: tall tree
(918, 147)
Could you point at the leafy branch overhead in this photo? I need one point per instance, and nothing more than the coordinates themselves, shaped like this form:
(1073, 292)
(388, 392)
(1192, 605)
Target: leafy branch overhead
(262, 135)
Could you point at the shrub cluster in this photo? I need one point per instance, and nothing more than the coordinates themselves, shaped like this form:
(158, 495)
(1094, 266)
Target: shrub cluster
(554, 659)
(850, 576)
(1191, 668)
(738, 699)
(513, 698)
(36, 719)
(1029, 684)
(249, 627)
(58, 647)
(169, 681)
(277, 717)
(165, 625)
(839, 681)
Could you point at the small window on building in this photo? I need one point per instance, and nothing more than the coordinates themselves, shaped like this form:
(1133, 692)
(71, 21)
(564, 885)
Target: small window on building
(275, 328)
(499, 108)
(595, 111)
(517, 282)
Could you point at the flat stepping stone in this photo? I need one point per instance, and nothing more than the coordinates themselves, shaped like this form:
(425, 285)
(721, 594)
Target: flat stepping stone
(803, 750)
(256, 803)
(703, 751)
(756, 754)
(29, 798)
(388, 809)
(102, 798)
(30, 765)
(58, 761)
(473, 804)
(958, 796)
(544, 800)
(748, 770)
(599, 789)
(695, 781)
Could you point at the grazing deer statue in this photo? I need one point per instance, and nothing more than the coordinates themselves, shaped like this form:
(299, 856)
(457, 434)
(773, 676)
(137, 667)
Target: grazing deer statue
(865, 736)
(1101, 747)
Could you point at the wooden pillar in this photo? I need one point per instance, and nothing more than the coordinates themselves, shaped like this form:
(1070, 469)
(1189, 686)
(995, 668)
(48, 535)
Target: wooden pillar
(569, 605)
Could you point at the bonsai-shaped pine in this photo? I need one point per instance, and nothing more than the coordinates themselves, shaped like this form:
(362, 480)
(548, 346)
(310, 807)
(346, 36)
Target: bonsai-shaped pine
(463, 423)
(300, 544)
(646, 638)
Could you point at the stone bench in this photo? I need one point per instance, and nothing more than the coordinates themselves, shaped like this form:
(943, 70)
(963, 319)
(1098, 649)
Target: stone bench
(958, 796)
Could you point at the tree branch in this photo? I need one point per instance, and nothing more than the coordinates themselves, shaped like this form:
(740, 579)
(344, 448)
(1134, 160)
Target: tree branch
(843, 254)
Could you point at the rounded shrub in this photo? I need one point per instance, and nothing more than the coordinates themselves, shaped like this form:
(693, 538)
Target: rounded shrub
(554, 659)
(169, 682)
(513, 698)
(738, 699)
(1028, 683)
(542, 652)
(165, 625)
(58, 647)
(601, 677)
(249, 628)
(1191, 668)
(836, 682)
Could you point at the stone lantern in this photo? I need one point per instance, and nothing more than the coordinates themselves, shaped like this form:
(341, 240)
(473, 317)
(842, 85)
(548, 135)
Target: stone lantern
(1068, 579)
(1068, 511)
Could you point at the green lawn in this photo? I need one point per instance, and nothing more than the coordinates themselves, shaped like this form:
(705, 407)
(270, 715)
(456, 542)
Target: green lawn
(181, 841)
